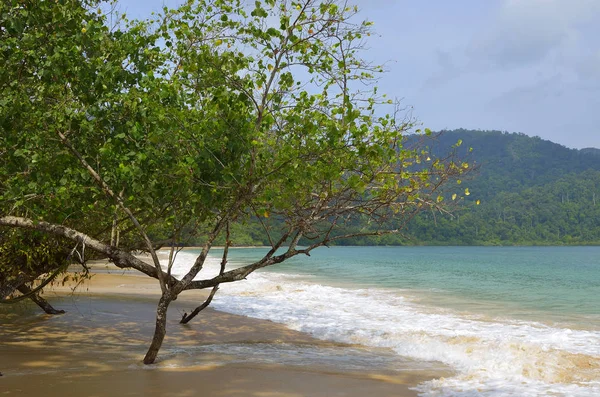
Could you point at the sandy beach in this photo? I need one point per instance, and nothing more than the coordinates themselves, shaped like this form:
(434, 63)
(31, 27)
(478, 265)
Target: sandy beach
(95, 349)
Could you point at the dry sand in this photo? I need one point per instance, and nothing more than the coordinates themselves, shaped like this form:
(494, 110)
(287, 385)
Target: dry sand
(95, 349)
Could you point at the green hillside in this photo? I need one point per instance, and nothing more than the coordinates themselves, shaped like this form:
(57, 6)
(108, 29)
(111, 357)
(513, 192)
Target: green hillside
(531, 192)
(511, 162)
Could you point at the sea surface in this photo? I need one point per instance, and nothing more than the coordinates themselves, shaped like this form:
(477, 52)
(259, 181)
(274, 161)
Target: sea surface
(510, 321)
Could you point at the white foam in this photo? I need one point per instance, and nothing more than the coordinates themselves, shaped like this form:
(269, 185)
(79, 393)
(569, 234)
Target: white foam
(492, 358)
(184, 260)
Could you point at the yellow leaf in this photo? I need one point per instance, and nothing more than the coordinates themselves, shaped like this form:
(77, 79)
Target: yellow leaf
(465, 165)
(270, 67)
(83, 30)
(467, 192)
(439, 199)
(218, 42)
(458, 181)
(477, 202)
(266, 214)
(454, 196)
(428, 158)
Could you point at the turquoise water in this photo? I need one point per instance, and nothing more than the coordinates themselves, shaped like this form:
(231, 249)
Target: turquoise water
(556, 283)
(511, 321)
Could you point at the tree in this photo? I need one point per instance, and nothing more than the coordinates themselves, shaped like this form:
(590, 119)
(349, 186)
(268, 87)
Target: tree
(198, 119)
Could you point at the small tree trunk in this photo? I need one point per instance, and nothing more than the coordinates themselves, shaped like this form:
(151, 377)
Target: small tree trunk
(113, 230)
(41, 302)
(160, 329)
(187, 317)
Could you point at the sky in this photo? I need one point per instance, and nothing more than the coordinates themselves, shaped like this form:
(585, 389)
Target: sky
(529, 66)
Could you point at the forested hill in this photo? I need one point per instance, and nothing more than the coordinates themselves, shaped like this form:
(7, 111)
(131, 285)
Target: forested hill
(591, 150)
(532, 191)
(511, 162)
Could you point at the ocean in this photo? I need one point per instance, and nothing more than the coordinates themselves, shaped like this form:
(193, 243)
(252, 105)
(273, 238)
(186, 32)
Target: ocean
(509, 321)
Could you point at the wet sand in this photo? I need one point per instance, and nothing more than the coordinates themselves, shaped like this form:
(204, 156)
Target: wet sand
(95, 349)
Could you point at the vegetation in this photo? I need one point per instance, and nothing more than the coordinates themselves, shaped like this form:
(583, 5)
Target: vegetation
(190, 125)
(531, 192)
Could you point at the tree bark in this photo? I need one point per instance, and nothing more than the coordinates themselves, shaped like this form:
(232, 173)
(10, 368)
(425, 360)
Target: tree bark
(41, 302)
(160, 329)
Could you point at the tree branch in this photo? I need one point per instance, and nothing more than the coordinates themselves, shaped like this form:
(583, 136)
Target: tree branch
(186, 318)
(242, 272)
(120, 258)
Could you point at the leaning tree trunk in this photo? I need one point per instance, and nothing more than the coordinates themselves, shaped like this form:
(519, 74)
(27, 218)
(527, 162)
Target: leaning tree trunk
(41, 302)
(160, 329)
(8, 287)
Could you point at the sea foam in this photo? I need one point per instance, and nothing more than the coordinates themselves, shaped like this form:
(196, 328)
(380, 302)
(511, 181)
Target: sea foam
(492, 357)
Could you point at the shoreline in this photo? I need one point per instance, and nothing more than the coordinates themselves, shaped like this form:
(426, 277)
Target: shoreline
(428, 244)
(109, 323)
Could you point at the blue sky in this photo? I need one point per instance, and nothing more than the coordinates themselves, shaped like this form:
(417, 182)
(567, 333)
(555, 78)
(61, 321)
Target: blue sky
(530, 66)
